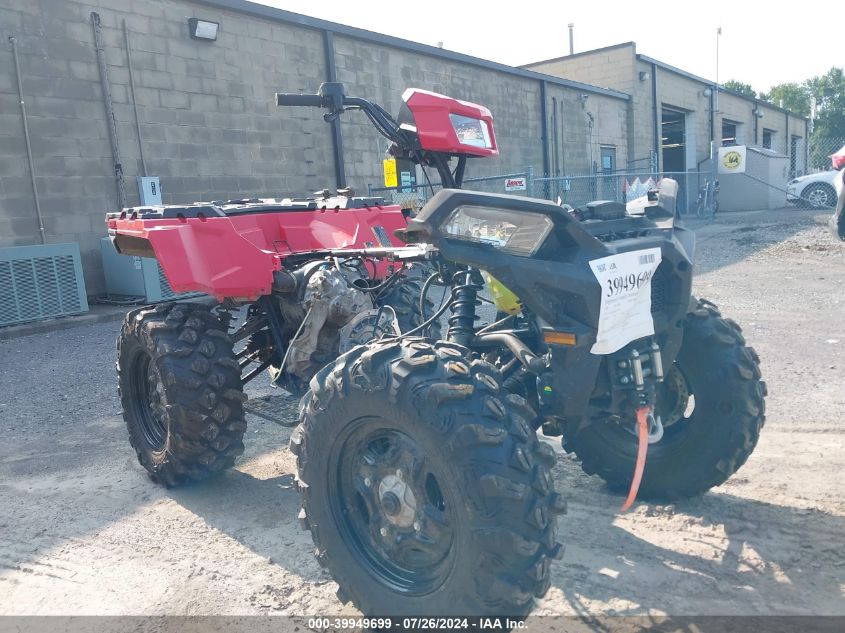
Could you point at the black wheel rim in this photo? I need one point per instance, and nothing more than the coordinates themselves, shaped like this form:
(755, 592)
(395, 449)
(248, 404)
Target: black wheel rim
(148, 401)
(390, 507)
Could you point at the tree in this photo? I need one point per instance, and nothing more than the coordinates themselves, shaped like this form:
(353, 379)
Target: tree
(737, 86)
(792, 96)
(829, 93)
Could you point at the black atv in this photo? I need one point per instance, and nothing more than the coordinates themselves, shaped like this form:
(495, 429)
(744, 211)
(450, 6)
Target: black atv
(424, 483)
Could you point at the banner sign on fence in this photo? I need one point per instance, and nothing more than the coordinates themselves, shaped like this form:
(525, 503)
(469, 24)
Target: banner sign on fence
(516, 184)
(732, 159)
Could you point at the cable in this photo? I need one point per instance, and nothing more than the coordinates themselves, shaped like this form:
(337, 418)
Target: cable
(424, 292)
(487, 328)
(425, 324)
(293, 340)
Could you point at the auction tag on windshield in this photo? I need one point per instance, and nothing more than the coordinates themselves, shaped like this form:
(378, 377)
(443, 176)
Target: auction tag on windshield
(625, 281)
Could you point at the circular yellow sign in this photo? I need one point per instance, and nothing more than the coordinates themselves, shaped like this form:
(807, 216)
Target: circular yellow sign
(732, 160)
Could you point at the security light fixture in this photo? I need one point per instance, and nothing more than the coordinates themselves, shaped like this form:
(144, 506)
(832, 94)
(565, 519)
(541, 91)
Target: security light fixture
(202, 29)
(645, 75)
(707, 92)
(758, 113)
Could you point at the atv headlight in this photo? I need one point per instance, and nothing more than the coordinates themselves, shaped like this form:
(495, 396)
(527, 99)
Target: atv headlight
(471, 131)
(511, 231)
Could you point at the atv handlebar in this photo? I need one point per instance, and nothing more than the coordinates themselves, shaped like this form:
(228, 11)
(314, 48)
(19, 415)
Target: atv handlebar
(331, 97)
(290, 99)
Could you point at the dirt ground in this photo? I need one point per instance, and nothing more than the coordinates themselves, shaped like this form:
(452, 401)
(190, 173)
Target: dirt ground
(83, 531)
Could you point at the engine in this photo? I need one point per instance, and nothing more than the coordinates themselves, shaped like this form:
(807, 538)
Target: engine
(329, 301)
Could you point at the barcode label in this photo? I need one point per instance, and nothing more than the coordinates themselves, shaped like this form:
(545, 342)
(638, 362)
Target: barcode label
(646, 259)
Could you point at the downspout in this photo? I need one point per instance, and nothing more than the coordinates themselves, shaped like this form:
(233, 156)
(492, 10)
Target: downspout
(556, 152)
(806, 144)
(562, 142)
(712, 118)
(788, 143)
(755, 113)
(655, 119)
(337, 136)
(14, 44)
(545, 128)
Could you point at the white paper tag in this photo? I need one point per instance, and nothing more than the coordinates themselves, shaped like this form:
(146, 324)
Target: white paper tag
(625, 314)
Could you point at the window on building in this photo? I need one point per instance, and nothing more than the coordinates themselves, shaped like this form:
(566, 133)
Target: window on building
(768, 139)
(608, 159)
(730, 132)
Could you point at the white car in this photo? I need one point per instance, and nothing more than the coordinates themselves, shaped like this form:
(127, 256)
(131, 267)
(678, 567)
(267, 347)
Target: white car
(813, 190)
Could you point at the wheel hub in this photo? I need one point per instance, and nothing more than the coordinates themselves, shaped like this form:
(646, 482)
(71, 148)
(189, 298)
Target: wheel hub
(397, 500)
(391, 509)
(150, 402)
(673, 396)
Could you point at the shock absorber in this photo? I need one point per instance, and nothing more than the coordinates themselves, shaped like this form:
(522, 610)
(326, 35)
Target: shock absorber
(465, 289)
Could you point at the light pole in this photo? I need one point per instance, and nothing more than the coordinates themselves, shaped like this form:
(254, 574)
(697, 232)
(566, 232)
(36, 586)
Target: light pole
(717, 129)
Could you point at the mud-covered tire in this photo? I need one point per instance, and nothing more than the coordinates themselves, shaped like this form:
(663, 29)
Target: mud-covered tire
(700, 451)
(181, 392)
(479, 445)
(404, 297)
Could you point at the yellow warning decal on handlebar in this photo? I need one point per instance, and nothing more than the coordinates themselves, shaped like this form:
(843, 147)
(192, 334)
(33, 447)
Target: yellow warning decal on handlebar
(390, 179)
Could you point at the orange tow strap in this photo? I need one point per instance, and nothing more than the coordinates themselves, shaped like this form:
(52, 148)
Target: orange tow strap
(642, 447)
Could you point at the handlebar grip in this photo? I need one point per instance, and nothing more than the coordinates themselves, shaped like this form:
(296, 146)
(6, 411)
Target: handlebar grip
(290, 99)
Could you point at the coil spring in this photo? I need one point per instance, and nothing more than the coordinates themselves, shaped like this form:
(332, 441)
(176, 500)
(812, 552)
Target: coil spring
(464, 300)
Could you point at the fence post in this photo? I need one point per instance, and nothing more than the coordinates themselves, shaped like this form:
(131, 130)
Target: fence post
(529, 180)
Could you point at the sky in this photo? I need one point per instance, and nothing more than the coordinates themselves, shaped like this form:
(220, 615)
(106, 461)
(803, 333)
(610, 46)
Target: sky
(762, 43)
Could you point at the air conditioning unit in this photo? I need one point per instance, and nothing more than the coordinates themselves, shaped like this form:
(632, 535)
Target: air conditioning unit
(40, 282)
(132, 276)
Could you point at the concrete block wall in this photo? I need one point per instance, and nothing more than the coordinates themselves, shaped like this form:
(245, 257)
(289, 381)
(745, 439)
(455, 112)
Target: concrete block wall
(209, 126)
(382, 73)
(619, 67)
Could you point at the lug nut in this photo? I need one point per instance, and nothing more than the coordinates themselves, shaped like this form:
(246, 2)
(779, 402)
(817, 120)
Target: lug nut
(399, 473)
(624, 380)
(368, 482)
(383, 531)
(417, 526)
(622, 364)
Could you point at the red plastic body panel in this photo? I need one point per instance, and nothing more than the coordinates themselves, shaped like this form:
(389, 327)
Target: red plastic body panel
(838, 158)
(235, 256)
(434, 127)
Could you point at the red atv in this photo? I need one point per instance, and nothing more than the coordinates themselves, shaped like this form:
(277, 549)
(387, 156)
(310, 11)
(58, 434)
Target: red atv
(424, 483)
(285, 263)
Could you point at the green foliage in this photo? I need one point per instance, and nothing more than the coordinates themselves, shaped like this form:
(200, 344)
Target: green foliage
(742, 88)
(829, 93)
(792, 96)
(823, 99)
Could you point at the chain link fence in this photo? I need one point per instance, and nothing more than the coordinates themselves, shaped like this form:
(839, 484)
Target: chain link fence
(819, 151)
(759, 188)
(415, 196)
(618, 187)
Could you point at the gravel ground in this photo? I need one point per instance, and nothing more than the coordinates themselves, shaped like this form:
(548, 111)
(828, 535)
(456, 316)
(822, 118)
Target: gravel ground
(83, 531)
